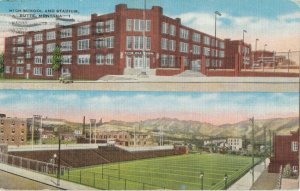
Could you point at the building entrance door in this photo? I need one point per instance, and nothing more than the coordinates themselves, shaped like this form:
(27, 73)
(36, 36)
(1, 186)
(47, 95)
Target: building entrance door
(196, 65)
(139, 62)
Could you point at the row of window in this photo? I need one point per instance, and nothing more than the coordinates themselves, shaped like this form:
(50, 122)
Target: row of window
(138, 43)
(138, 25)
(12, 139)
(101, 27)
(13, 131)
(81, 59)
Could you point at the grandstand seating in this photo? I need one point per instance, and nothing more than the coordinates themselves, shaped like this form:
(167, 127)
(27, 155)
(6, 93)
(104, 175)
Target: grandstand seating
(88, 157)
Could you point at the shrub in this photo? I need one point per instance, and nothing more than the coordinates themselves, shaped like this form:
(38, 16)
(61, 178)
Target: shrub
(287, 171)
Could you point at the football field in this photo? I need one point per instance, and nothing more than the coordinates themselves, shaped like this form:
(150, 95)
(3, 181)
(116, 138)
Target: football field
(174, 172)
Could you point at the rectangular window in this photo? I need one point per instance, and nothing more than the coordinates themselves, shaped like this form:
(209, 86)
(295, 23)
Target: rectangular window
(110, 26)
(184, 34)
(164, 60)
(129, 42)
(148, 43)
(66, 46)
(206, 51)
(206, 40)
(138, 25)
(50, 47)
(50, 35)
(129, 25)
(83, 59)
(65, 33)
(27, 55)
(171, 61)
(196, 49)
(221, 44)
(7, 69)
(83, 44)
(185, 61)
(164, 44)
(37, 71)
(100, 27)
(29, 42)
(164, 28)
(172, 30)
(38, 60)
(107, 42)
(148, 25)
(49, 59)
(67, 59)
(20, 40)
(172, 45)
(20, 60)
(294, 146)
(38, 48)
(83, 30)
(138, 42)
(14, 50)
(184, 47)
(109, 59)
(38, 37)
(19, 70)
(196, 37)
(20, 49)
(49, 72)
(221, 54)
(100, 59)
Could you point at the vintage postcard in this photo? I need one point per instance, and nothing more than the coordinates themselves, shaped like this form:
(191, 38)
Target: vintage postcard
(149, 94)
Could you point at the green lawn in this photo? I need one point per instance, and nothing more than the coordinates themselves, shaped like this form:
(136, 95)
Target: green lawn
(175, 172)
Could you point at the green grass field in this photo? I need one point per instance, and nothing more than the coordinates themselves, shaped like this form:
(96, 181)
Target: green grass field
(175, 172)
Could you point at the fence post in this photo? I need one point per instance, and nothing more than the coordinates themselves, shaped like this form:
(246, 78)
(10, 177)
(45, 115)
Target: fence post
(68, 174)
(102, 170)
(94, 179)
(108, 182)
(80, 176)
(125, 184)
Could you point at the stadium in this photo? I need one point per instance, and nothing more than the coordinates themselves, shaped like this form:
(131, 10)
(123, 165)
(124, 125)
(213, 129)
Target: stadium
(111, 167)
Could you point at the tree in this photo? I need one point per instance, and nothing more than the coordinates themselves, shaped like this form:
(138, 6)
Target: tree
(1, 63)
(56, 59)
(287, 171)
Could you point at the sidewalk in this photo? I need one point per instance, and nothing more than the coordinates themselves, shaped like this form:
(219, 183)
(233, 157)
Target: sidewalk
(245, 182)
(51, 181)
(267, 181)
(290, 184)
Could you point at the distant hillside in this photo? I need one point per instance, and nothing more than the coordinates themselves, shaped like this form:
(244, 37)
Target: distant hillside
(188, 129)
(183, 129)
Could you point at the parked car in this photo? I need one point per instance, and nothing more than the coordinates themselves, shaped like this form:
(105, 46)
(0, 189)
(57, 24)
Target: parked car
(66, 78)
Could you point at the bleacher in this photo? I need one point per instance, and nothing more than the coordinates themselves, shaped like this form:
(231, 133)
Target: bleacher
(88, 157)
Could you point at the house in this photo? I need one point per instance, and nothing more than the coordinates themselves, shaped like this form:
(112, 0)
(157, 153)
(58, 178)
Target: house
(285, 151)
(235, 143)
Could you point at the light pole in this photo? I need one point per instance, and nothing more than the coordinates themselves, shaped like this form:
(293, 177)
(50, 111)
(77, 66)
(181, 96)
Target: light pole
(58, 161)
(219, 14)
(225, 180)
(263, 62)
(252, 124)
(255, 54)
(289, 61)
(201, 178)
(244, 31)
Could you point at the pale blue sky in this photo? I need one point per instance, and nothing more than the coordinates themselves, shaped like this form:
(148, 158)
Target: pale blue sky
(273, 22)
(215, 108)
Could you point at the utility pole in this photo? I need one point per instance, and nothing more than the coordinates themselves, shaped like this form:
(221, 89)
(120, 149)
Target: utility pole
(252, 124)
(270, 143)
(58, 162)
(265, 146)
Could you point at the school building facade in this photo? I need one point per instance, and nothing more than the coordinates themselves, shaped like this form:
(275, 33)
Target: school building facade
(123, 42)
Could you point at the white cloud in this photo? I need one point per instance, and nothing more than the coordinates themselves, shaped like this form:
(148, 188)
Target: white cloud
(281, 33)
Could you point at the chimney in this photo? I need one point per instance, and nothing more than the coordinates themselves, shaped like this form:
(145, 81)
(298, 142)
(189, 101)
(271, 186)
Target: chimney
(83, 126)
(178, 20)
